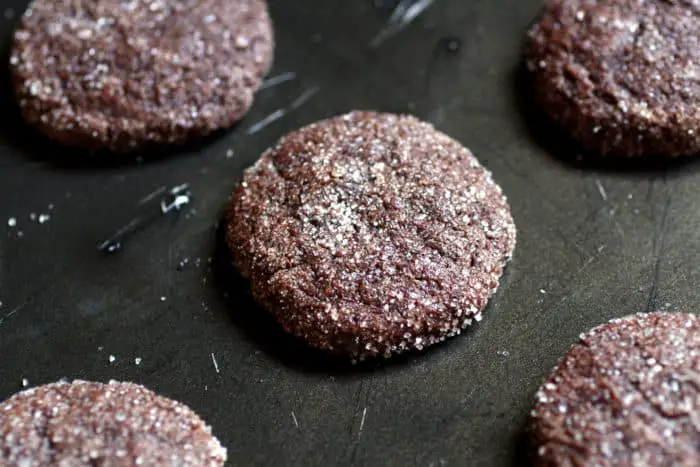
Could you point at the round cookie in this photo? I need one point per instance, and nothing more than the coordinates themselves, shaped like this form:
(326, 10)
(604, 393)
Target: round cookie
(370, 234)
(621, 76)
(122, 75)
(119, 424)
(627, 394)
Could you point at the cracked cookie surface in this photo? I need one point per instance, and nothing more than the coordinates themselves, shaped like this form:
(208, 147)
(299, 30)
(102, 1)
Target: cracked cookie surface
(125, 75)
(628, 393)
(116, 424)
(622, 76)
(370, 234)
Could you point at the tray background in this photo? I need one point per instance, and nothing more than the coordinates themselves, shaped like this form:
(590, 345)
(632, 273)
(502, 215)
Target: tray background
(580, 260)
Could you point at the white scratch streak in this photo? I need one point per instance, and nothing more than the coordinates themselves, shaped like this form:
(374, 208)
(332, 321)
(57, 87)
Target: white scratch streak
(277, 80)
(304, 97)
(362, 422)
(216, 365)
(601, 190)
(157, 192)
(134, 222)
(8, 315)
(273, 117)
(403, 15)
(415, 10)
(294, 417)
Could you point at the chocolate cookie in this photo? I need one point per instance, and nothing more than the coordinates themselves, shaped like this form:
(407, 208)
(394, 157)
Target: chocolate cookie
(370, 234)
(117, 424)
(622, 76)
(627, 394)
(122, 75)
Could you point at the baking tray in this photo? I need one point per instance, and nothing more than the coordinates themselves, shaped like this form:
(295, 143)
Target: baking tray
(595, 241)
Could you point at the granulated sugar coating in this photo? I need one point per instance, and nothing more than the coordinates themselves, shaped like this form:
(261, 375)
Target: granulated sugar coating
(370, 234)
(627, 394)
(115, 424)
(622, 76)
(124, 74)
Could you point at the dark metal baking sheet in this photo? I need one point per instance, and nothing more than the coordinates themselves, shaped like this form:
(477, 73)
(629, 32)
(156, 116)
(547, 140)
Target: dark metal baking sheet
(594, 243)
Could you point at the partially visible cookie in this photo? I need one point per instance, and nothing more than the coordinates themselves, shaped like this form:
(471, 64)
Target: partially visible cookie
(124, 74)
(117, 424)
(621, 76)
(628, 393)
(370, 234)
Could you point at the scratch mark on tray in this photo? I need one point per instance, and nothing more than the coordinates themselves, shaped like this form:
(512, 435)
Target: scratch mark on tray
(173, 201)
(403, 15)
(151, 196)
(601, 190)
(294, 418)
(277, 80)
(303, 98)
(676, 280)
(273, 117)
(659, 240)
(361, 397)
(216, 365)
(358, 398)
(362, 422)
(11, 313)
(591, 259)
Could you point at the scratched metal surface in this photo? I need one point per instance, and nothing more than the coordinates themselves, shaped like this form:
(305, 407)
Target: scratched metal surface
(594, 243)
